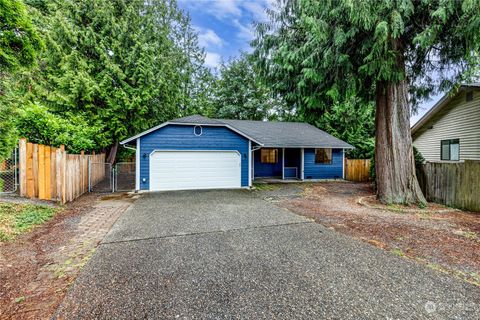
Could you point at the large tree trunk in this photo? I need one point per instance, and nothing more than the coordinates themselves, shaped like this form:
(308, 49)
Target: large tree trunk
(394, 161)
(112, 155)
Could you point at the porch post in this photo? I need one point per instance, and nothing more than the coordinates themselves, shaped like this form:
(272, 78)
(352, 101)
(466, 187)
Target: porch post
(302, 164)
(250, 167)
(283, 163)
(343, 164)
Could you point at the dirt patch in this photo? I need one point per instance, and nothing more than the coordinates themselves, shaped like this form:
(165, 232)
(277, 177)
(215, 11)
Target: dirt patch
(443, 238)
(37, 268)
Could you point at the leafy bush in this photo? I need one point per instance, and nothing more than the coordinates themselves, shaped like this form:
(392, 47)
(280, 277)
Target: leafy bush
(8, 134)
(39, 125)
(419, 159)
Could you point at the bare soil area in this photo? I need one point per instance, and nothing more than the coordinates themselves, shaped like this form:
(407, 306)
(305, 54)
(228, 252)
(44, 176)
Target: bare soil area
(37, 268)
(442, 238)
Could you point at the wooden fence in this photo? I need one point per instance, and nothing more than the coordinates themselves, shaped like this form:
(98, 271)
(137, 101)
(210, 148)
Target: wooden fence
(50, 173)
(453, 184)
(357, 170)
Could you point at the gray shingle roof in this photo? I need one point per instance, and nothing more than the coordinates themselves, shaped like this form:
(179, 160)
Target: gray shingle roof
(275, 134)
(196, 119)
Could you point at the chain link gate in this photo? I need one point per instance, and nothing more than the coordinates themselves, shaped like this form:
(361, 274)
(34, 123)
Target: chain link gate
(9, 174)
(100, 177)
(124, 174)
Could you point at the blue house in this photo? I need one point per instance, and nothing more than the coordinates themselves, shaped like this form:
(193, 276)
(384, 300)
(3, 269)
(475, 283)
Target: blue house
(196, 152)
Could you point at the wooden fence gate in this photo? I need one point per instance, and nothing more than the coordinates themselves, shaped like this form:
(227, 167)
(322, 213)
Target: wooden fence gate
(357, 170)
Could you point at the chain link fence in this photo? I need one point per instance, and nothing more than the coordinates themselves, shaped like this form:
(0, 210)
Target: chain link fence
(124, 176)
(100, 177)
(9, 174)
(103, 177)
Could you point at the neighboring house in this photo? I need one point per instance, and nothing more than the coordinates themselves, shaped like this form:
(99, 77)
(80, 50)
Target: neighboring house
(450, 131)
(196, 152)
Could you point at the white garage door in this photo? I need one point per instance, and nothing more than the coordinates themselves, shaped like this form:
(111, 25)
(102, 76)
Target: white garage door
(184, 170)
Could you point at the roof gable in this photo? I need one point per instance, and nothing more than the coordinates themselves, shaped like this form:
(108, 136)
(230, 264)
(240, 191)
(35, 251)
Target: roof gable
(265, 133)
(440, 105)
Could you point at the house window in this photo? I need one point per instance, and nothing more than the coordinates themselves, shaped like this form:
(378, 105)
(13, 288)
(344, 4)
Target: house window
(450, 150)
(323, 155)
(269, 155)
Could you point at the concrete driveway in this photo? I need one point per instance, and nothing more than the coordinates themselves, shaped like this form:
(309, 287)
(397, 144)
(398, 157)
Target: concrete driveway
(232, 255)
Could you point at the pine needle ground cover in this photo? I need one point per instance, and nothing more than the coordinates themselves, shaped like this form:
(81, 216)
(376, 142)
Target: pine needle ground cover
(16, 219)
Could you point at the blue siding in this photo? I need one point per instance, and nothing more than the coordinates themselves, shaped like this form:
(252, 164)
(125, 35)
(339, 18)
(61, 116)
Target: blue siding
(180, 137)
(267, 169)
(314, 170)
(290, 172)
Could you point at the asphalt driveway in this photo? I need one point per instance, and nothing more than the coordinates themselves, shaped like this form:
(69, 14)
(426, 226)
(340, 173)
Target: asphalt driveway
(232, 255)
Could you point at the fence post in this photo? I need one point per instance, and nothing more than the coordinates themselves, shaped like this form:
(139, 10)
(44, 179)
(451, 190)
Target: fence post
(89, 173)
(41, 171)
(22, 150)
(30, 181)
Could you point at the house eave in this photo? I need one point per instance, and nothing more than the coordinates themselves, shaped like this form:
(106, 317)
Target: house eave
(443, 102)
(307, 146)
(188, 124)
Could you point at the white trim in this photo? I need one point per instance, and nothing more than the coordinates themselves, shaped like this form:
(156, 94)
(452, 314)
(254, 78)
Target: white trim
(195, 128)
(137, 166)
(283, 163)
(249, 163)
(343, 164)
(304, 147)
(190, 150)
(302, 165)
(188, 124)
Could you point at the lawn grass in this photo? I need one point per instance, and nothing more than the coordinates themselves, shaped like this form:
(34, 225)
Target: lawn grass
(265, 186)
(16, 219)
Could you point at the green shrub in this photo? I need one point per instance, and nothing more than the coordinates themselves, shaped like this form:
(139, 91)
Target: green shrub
(39, 125)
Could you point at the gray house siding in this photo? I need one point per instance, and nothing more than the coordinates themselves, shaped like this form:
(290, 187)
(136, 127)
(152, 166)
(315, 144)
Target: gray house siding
(458, 120)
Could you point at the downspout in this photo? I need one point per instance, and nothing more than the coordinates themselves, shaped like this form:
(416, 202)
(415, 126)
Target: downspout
(137, 164)
(128, 147)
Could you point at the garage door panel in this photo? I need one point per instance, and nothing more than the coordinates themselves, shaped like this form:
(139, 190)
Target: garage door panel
(182, 170)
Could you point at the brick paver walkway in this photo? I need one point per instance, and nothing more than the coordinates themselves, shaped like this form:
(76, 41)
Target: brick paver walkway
(52, 258)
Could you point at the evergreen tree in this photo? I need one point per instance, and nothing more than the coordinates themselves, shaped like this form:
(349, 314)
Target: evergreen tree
(383, 51)
(196, 79)
(19, 44)
(123, 65)
(240, 93)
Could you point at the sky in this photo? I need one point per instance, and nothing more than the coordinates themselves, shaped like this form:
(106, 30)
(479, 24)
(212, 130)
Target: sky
(225, 29)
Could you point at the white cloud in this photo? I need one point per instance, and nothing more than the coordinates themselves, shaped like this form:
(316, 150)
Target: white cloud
(256, 9)
(212, 59)
(208, 37)
(220, 9)
(225, 8)
(245, 32)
